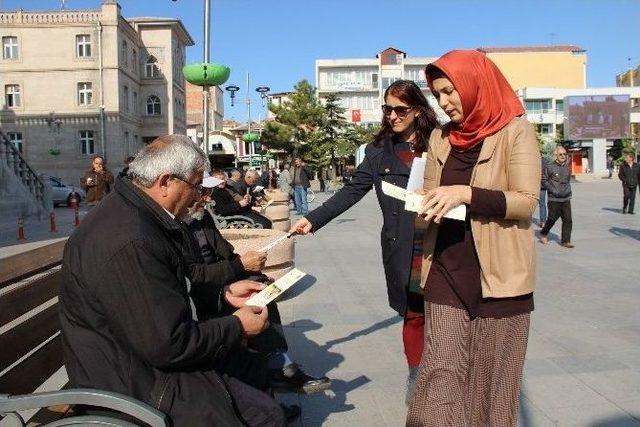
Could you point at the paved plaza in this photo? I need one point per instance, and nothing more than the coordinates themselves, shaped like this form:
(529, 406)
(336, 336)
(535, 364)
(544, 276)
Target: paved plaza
(583, 360)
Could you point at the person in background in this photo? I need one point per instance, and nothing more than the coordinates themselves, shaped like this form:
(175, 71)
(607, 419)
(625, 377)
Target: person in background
(556, 178)
(629, 174)
(124, 171)
(407, 121)
(96, 182)
(610, 165)
(301, 176)
(237, 198)
(284, 179)
(478, 274)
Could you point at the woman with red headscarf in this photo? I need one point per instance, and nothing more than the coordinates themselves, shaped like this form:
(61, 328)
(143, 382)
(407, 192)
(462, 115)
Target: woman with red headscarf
(478, 274)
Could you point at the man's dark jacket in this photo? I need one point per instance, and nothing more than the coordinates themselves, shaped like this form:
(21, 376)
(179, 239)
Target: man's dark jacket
(225, 204)
(556, 178)
(126, 321)
(380, 164)
(305, 176)
(629, 175)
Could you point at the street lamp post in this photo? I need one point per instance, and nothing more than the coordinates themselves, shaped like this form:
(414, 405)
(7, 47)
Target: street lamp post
(206, 75)
(249, 136)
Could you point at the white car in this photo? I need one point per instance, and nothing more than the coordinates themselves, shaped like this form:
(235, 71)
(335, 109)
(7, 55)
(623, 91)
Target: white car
(62, 192)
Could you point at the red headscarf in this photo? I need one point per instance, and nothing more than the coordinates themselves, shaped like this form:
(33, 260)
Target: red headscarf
(488, 102)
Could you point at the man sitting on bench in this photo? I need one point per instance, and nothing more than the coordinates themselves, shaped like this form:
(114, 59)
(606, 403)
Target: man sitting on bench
(125, 313)
(237, 199)
(226, 267)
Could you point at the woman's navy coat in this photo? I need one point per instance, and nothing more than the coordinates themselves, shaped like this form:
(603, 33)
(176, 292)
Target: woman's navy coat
(396, 238)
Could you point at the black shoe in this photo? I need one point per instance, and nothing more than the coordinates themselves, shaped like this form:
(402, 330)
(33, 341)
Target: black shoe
(291, 412)
(632, 213)
(292, 379)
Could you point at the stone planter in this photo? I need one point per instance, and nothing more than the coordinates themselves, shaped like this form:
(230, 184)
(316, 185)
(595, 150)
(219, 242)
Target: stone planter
(280, 259)
(278, 211)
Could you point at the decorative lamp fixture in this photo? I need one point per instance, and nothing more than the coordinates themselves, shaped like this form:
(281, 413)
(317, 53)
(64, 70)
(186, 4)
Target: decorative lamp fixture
(250, 137)
(232, 89)
(262, 90)
(206, 74)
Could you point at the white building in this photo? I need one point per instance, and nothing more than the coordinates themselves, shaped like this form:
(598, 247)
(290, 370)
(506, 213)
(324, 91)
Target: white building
(360, 83)
(545, 108)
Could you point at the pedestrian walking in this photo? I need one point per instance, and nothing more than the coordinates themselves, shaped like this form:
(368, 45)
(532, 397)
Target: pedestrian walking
(96, 182)
(284, 180)
(556, 178)
(301, 177)
(610, 165)
(478, 274)
(629, 174)
(407, 122)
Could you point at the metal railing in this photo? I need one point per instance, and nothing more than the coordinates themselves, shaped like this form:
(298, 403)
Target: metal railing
(11, 156)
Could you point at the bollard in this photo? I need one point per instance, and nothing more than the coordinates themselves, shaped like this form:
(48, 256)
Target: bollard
(74, 205)
(21, 229)
(52, 222)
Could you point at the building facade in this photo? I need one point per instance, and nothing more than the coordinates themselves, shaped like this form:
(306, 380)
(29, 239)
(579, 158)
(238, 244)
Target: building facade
(97, 83)
(360, 83)
(195, 106)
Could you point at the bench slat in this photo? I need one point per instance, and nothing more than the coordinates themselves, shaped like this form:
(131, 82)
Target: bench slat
(30, 374)
(20, 340)
(16, 267)
(23, 299)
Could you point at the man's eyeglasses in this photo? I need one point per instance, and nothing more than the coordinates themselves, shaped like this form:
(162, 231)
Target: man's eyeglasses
(562, 154)
(401, 110)
(198, 187)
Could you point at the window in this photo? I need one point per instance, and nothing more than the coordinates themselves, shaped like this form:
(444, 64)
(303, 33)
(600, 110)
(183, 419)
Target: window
(135, 102)
(12, 95)
(83, 45)
(153, 106)
(124, 53)
(560, 105)
(10, 47)
(125, 99)
(538, 106)
(87, 146)
(135, 142)
(134, 60)
(151, 68)
(16, 139)
(386, 81)
(545, 128)
(85, 93)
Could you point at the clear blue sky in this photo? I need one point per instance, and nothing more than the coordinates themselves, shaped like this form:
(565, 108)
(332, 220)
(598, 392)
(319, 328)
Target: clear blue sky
(277, 41)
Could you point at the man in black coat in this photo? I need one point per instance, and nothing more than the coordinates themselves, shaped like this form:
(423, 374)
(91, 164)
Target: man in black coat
(300, 180)
(629, 174)
(556, 178)
(222, 267)
(125, 314)
(237, 199)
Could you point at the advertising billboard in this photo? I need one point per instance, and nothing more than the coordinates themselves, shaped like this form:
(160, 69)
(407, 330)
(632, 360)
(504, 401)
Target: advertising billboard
(596, 116)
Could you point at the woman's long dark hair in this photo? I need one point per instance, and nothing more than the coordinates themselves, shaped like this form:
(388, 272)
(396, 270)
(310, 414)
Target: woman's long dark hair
(409, 92)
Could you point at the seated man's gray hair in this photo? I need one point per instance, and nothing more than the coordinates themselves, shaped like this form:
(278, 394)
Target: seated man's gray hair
(167, 155)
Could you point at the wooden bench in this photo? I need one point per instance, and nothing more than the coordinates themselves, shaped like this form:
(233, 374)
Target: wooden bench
(31, 351)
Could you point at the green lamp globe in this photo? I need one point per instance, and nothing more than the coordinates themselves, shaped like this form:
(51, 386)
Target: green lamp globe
(250, 137)
(206, 74)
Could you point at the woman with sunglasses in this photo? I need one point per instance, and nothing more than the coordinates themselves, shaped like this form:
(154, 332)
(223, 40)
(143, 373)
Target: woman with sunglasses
(478, 275)
(407, 123)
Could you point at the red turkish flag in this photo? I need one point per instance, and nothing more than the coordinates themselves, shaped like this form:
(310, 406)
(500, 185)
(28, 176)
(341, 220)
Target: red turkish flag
(355, 116)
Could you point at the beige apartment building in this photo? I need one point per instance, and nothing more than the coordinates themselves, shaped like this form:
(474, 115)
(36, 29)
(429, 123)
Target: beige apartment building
(79, 83)
(360, 82)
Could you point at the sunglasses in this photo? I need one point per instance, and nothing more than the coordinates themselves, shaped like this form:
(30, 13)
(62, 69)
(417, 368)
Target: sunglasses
(400, 110)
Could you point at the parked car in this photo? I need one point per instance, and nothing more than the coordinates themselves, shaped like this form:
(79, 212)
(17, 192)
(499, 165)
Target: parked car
(62, 192)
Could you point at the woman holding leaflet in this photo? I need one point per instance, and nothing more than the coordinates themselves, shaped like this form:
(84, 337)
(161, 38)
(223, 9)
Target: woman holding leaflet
(478, 275)
(407, 123)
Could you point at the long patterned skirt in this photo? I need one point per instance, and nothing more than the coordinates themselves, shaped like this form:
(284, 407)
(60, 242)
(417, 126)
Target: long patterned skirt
(471, 370)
